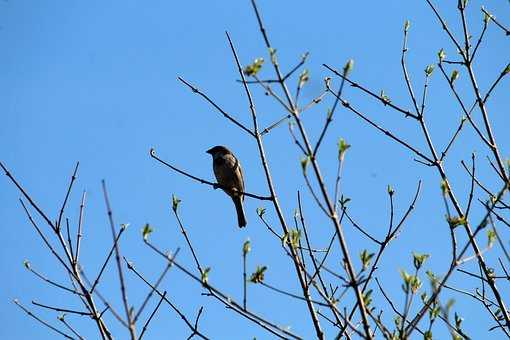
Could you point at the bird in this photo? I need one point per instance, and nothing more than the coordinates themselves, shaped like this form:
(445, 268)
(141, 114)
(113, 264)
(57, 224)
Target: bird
(229, 175)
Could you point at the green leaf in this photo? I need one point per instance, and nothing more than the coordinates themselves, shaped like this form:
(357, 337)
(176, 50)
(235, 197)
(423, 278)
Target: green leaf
(342, 148)
(386, 100)
(412, 282)
(449, 305)
(246, 247)
(367, 297)
(365, 258)
(507, 69)
(391, 191)
(445, 187)
(415, 283)
(427, 335)
(441, 55)
(261, 211)
(455, 221)
(407, 280)
(304, 163)
(487, 16)
(205, 276)
(429, 69)
(146, 231)
(293, 238)
(434, 280)
(272, 54)
(175, 203)
(419, 259)
(254, 67)
(258, 275)
(434, 312)
(454, 76)
(304, 77)
(491, 237)
(348, 67)
(407, 25)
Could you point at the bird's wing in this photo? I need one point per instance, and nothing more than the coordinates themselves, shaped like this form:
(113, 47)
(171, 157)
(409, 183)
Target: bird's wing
(237, 178)
(238, 171)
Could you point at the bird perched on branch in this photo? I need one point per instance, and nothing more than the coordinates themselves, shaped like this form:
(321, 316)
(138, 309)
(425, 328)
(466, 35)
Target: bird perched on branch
(229, 175)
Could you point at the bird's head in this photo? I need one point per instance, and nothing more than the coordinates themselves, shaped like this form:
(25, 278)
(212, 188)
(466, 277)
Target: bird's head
(218, 150)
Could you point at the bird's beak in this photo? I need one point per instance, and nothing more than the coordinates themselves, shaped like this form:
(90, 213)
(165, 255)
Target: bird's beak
(209, 151)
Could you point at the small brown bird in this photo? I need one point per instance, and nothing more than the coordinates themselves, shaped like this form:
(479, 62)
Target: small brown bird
(229, 175)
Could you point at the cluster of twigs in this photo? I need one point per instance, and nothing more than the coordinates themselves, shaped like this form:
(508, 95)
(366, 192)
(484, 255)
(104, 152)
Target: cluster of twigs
(339, 300)
(65, 246)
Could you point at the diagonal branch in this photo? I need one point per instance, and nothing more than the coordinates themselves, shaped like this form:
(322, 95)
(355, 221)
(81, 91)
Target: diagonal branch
(203, 181)
(210, 101)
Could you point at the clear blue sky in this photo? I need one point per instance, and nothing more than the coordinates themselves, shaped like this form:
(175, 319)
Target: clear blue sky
(95, 82)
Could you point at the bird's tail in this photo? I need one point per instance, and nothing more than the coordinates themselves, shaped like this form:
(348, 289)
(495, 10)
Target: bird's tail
(241, 219)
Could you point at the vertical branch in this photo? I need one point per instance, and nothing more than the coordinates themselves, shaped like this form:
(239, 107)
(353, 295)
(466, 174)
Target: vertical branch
(275, 201)
(308, 245)
(332, 214)
(79, 234)
(131, 325)
(68, 234)
(244, 277)
(481, 104)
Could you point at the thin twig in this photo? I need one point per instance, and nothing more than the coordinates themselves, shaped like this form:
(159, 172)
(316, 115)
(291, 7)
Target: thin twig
(210, 101)
(129, 316)
(58, 309)
(150, 317)
(506, 30)
(188, 241)
(53, 283)
(29, 313)
(105, 263)
(163, 297)
(73, 178)
(156, 285)
(406, 112)
(79, 234)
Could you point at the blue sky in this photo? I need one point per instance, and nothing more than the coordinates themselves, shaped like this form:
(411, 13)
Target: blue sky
(96, 82)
